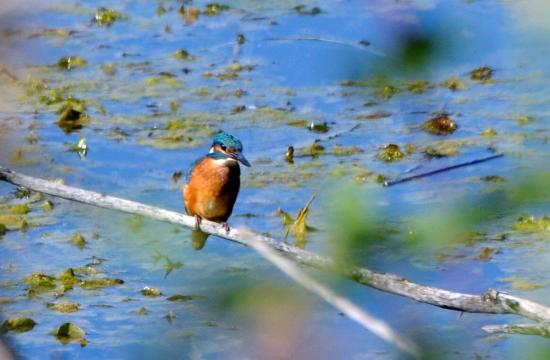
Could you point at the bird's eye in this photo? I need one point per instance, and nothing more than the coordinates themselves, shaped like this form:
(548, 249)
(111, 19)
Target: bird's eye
(223, 147)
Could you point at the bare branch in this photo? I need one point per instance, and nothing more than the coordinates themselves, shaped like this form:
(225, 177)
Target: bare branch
(492, 302)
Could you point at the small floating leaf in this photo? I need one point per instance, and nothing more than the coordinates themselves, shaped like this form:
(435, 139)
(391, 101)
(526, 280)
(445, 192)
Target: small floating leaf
(3, 230)
(68, 332)
(481, 74)
(390, 153)
(289, 155)
(70, 62)
(320, 127)
(240, 39)
(440, 124)
(150, 291)
(302, 10)
(64, 306)
(18, 324)
(72, 119)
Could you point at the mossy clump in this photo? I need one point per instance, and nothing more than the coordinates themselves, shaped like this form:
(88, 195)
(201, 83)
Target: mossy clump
(71, 62)
(390, 153)
(440, 124)
(387, 91)
(483, 73)
(18, 324)
(107, 17)
(531, 224)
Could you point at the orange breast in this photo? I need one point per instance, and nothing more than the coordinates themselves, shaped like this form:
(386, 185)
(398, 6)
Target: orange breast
(212, 190)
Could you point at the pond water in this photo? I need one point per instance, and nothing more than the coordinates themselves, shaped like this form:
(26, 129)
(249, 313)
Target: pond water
(367, 74)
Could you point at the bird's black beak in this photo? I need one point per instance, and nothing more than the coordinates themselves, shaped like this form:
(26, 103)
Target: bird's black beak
(240, 157)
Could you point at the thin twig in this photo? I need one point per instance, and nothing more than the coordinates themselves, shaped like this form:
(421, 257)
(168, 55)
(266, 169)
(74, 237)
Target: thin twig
(493, 302)
(437, 171)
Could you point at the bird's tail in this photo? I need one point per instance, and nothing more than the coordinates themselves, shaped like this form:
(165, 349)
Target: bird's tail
(198, 239)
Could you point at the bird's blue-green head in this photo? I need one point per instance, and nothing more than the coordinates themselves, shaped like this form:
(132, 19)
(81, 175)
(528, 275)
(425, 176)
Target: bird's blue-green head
(225, 146)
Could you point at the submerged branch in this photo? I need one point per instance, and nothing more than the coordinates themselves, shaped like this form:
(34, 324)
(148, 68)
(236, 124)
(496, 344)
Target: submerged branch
(493, 302)
(444, 169)
(523, 329)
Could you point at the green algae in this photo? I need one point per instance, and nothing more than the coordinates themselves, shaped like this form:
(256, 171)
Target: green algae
(94, 284)
(532, 224)
(64, 306)
(390, 153)
(106, 17)
(68, 332)
(489, 132)
(18, 324)
(454, 83)
(519, 283)
(418, 86)
(440, 124)
(183, 54)
(213, 9)
(39, 282)
(150, 291)
(78, 240)
(181, 298)
(20, 209)
(483, 73)
(71, 62)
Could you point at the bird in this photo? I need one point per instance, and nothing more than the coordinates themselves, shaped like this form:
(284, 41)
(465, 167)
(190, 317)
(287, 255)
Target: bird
(213, 184)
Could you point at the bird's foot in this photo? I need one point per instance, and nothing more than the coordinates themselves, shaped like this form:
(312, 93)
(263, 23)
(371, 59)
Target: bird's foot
(226, 227)
(197, 222)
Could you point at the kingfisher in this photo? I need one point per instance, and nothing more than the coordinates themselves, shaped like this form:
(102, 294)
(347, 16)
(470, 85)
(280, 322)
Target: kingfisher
(213, 184)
